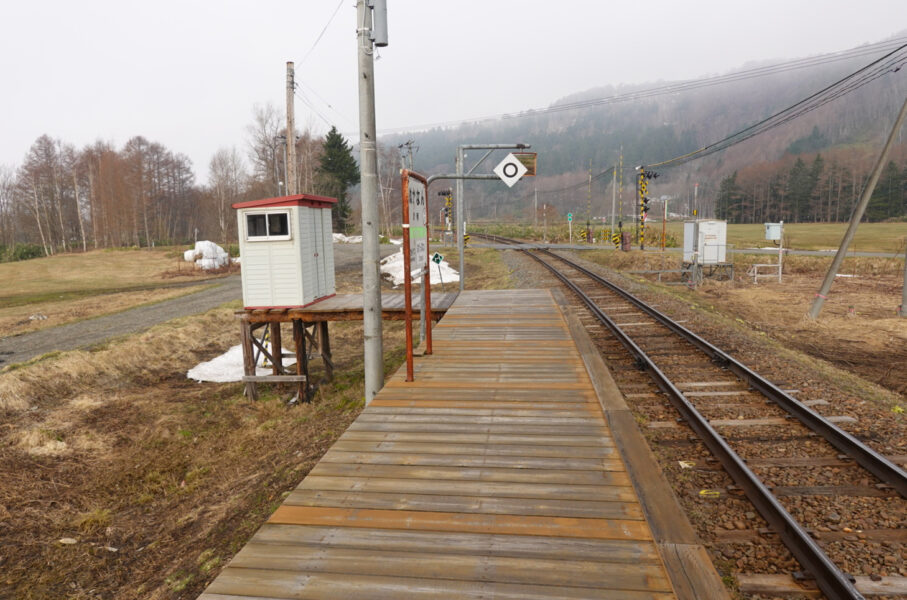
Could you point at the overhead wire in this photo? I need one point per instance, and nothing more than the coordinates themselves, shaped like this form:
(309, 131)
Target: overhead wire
(677, 87)
(884, 65)
(323, 30)
(859, 78)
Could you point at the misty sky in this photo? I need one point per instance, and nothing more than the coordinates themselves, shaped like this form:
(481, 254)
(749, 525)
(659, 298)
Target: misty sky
(187, 73)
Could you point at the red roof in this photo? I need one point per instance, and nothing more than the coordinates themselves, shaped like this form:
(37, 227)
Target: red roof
(296, 200)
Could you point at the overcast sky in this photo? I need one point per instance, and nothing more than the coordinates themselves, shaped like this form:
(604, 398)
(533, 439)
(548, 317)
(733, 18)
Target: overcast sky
(187, 73)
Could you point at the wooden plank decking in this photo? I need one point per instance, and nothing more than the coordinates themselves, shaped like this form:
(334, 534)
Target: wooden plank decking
(493, 475)
(348, 307)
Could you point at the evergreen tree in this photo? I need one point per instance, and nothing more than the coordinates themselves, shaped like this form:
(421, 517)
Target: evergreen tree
(886, 199)
(730, 197)
(337, 171)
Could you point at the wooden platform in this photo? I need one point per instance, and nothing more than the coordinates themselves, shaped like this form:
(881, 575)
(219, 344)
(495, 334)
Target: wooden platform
(348, 307)
(493, 475)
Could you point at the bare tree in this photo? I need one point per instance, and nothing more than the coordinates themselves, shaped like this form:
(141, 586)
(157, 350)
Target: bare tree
(267, 124)
(389, 186)
(227, 178)
(7, 206)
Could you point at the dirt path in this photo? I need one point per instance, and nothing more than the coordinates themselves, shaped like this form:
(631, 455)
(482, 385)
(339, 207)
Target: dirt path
(80, 334)
(89, 332)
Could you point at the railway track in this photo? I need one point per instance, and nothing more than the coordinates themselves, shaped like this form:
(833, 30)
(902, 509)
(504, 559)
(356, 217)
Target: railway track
(718, 397)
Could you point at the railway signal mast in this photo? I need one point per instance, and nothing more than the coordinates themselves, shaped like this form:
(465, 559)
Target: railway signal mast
(641, 189)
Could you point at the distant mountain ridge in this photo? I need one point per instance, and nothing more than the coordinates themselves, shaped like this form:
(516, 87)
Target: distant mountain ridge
(652, 127)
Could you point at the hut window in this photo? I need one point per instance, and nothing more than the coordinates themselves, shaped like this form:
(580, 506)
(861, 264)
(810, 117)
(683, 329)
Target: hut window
(268, 226)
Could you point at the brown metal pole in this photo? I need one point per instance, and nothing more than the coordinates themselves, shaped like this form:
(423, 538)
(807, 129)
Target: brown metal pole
(407, 278)
(903, 310)
(426, 281)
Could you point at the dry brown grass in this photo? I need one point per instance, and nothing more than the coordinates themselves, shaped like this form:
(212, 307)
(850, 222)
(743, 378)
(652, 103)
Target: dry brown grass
(85, 272)
(16, 319)
(858, 329)
(160, 480)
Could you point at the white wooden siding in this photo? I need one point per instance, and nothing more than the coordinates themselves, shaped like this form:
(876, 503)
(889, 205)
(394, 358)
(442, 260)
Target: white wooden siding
(287, 273)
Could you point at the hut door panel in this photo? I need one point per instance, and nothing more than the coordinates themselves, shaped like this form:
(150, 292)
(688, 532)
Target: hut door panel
(318, 248)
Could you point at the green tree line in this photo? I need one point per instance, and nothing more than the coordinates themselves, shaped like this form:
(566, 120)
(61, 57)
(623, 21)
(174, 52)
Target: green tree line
(813, 191)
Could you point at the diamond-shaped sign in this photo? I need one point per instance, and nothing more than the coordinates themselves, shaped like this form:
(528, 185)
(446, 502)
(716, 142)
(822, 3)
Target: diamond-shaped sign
(510, 170)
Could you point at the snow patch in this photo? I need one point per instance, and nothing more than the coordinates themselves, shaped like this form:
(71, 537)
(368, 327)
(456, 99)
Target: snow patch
(228, 367)
(392, 266)
(339, 238)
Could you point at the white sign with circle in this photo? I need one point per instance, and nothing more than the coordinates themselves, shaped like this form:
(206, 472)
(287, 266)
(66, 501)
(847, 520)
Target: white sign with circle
(510, 170)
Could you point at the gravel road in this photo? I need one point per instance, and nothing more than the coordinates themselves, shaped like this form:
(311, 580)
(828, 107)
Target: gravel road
(81, 334)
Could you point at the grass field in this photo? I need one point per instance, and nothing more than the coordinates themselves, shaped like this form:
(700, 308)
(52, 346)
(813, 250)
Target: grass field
(870, 237)
(69, 287)
(65, 276)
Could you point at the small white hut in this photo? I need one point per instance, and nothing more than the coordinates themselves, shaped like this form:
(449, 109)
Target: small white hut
(286, 245)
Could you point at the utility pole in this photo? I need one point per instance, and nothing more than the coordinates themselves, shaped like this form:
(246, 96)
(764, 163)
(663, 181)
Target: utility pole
(368, 160)
(535, 205)
(822, 294)
(409, 153)
(620, 182)
(903, 309)
(613, 198)
(589, 236)
(290, 156)
(696, 199)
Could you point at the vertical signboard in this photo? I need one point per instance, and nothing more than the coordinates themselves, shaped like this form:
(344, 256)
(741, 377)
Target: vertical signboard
(418, 233)
(415, 256)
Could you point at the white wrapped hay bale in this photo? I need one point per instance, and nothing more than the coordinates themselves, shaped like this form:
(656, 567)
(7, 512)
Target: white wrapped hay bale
(207, 255)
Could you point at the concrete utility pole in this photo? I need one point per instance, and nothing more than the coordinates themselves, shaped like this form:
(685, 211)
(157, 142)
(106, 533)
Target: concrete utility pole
(291, 132)
(903, 310)
(822, 294)
(368, 162)
(613, 198)
(535, 206)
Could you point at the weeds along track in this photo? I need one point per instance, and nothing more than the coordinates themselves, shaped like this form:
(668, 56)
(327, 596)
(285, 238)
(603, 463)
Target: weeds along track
(784, 456)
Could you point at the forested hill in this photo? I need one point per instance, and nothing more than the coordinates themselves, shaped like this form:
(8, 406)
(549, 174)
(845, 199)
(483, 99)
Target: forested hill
(657, 121)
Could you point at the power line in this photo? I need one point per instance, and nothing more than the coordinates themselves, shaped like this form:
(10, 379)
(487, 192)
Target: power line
(324, 29)
(326, 103)
(888, 63)
(677, 87)
(845, 85)
(299, 94)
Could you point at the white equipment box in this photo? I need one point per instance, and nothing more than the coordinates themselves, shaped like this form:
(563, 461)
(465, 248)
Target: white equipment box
(705, 242)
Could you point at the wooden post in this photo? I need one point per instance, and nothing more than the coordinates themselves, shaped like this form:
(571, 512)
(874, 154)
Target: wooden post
(245, 329)
(276, 349)
(301, 366)
(325, 344)
(290, 167)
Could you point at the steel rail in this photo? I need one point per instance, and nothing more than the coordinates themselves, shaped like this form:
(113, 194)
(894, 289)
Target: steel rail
(862, 454)
(833, 582)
